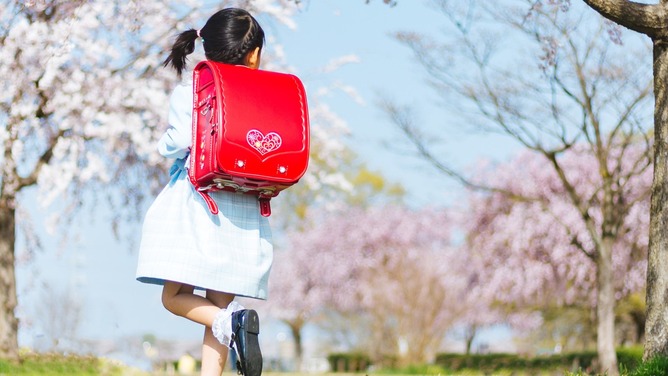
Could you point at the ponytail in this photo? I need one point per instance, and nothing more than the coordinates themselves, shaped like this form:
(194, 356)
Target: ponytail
(228, 36)
(183, 46)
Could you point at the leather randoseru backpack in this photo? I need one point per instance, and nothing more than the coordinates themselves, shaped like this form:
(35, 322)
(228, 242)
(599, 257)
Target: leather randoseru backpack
(250, 132)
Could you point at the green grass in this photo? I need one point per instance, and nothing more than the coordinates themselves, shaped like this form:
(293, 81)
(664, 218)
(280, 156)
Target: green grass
(656, 366)
(76, 365)
(57, 364)
(434, 370)
(653, 367)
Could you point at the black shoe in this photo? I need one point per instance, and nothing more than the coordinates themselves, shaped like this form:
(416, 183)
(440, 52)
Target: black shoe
(245, 329)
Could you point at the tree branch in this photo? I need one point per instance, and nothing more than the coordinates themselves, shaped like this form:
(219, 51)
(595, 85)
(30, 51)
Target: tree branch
(404, 123)
(577, 201)
(644, 18)
(43, 160)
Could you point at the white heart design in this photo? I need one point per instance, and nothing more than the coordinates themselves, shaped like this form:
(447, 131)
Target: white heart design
(263, 143)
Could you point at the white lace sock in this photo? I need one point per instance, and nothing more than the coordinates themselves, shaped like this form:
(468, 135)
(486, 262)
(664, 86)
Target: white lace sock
(222, 324)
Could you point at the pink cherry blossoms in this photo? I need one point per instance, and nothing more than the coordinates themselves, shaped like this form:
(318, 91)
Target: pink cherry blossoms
(391, 265)
(536, 250)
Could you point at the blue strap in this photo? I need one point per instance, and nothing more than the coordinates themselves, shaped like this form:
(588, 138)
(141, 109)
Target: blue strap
(177, 168)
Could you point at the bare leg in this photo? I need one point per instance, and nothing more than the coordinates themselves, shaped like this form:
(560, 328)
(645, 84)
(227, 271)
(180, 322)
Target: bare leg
(214, 354)
(179, 299)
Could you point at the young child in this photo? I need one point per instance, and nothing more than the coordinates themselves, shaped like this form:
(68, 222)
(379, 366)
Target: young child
(184, 247)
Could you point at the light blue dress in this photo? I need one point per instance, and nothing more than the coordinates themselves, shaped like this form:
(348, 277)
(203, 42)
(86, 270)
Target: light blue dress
(183, 242)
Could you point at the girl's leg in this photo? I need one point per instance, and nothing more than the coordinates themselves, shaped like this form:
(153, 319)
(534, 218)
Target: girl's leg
(179, 299)
(214, 354)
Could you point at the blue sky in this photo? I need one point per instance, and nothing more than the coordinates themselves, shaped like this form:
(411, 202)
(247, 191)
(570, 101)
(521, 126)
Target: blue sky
(100, 270)
(329, 29)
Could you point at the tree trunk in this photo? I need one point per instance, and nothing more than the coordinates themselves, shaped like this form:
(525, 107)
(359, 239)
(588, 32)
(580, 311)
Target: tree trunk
(605, 310)
(296, 330)
(9, 348)
(656, 326)
(469, 334)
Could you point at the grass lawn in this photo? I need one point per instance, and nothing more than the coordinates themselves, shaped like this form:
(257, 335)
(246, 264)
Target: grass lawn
(56, 364)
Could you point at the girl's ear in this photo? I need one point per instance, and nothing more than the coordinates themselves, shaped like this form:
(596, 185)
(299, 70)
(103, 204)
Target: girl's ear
(253, 58)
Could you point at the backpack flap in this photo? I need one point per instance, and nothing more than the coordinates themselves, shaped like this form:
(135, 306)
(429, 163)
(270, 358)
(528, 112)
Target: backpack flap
(265, 125)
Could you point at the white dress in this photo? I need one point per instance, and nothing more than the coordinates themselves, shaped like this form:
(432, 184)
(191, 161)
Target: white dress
(183, 242)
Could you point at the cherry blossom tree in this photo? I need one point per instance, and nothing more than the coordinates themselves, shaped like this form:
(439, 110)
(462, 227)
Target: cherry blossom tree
(650, 20)
(389, 264)
(82, 107)
(75, 112)
(576, 86)
(537, 251)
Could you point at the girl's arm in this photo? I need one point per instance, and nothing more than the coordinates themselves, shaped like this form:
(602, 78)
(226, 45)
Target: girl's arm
(175, 143)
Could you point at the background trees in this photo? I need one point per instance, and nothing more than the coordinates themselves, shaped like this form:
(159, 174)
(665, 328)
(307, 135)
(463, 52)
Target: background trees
(583, 91)
(537, 253)
(392, 267)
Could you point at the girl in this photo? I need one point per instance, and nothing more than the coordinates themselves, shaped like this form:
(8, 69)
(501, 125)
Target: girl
(184, 247)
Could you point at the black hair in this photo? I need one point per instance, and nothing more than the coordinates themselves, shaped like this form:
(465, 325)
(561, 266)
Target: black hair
(228, 36)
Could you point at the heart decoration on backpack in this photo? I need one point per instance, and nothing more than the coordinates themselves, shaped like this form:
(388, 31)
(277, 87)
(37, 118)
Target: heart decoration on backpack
(263, 144)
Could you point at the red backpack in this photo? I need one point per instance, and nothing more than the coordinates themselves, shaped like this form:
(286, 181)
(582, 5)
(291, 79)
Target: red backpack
(250, 132)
